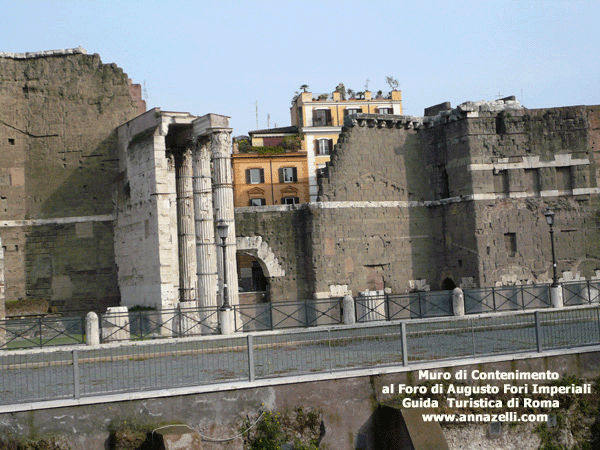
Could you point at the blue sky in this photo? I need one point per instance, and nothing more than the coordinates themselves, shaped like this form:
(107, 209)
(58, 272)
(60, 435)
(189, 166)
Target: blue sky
(228, 57)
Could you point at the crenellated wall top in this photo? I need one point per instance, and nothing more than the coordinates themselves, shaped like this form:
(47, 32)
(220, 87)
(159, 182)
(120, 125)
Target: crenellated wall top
(43, 54)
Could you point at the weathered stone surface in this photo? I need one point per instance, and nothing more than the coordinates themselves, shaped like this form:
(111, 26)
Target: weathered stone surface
(460, 198)
(58, 112)
(177, 437)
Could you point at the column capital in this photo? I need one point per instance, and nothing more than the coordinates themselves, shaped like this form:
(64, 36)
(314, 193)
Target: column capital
(220, 139)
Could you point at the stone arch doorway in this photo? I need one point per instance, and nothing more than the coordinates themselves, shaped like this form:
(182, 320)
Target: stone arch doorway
(448, 284)
(257, 265)
(250, 274)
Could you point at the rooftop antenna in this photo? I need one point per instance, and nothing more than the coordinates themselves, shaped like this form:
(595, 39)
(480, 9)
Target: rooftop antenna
(257, 114)
(268, 120)
(367, 84)
(145, 92)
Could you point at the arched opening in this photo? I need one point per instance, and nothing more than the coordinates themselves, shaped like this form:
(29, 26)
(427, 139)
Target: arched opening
(252, 282)
(448, 284)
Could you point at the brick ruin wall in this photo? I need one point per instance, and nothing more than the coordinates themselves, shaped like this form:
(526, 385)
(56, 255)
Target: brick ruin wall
(58, 112)
(459, 196)
(287, 232)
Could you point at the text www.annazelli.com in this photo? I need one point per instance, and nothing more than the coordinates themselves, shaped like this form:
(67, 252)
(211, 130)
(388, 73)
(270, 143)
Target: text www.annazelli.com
(510, 416)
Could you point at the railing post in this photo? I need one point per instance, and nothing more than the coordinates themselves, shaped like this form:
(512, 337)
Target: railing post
(538, 331)
(271, 313)
(598, 321)
(40, 331)
(386, 306)
(235, 314)
(306, 313)
(329, 348)
(76, 388)
(473, 337)
(494, 298)
(404, 344)
(250, 343)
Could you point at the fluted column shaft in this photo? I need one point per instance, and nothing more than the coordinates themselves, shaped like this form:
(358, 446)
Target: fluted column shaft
(224, 209)
(186, 235)
(206, 258)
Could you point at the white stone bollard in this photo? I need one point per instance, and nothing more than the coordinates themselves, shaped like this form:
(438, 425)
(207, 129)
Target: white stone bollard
(349, 310)
(92, 329)
(556, 296)
(226, 321)
(458, 302)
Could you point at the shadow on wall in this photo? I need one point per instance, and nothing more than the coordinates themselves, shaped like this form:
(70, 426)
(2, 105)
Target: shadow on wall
(72, 265)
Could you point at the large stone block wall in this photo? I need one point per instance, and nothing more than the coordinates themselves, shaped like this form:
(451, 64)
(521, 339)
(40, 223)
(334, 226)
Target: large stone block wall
(287, 231)
(458, 195)
(146, 226)
(71, 266)
(58, 112)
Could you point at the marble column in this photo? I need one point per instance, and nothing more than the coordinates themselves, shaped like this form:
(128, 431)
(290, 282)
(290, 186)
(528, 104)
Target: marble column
(206, 252)
(186, 236)
(224, 209)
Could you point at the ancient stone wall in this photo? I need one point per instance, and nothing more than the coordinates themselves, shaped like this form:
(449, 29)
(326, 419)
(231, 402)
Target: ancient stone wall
(285, 231)
(58, 112)
(146, 227)
(453, 198)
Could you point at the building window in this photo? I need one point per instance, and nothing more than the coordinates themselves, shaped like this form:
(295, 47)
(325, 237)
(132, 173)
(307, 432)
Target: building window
(324, 146)
(510, 243)
(349, 111)
(385, 110)
(257, 202)
(321, 118)
(288, 175)
(290, 200)
(255, 176)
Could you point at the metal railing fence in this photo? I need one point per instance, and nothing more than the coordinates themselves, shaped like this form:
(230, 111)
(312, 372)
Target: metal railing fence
(507, 298)
(41, 332)
(581, 292)
(412, 305)
(57, 373)
(142, 325)
(279, 315)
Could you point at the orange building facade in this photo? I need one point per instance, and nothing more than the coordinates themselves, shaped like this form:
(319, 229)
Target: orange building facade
(271, 171)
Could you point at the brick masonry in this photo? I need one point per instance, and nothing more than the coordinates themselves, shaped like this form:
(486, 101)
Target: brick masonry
(459, 194)
(58, 113)
(456, 194)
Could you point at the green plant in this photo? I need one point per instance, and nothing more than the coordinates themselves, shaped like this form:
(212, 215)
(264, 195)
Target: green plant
(274, 430)
(269, 435)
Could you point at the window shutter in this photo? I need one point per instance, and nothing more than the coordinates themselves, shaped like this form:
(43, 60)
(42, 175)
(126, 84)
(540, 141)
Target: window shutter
(247, 176)
(295, 175)
(317, 149)
(330, 145)
(281, 178)
(262, 175)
